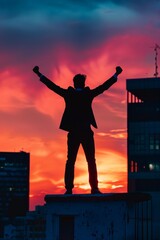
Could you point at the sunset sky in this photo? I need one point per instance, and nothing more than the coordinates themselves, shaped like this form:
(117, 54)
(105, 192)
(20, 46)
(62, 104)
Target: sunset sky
(65, 38)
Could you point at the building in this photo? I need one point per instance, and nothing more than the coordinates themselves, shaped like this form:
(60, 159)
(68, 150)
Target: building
(29, 227)
(14, 184)
(143, 143)
(98, 217)
(119, 216)
(143, 146)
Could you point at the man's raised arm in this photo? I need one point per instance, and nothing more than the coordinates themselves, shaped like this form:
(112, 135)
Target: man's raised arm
(60, 91)
(107, 84)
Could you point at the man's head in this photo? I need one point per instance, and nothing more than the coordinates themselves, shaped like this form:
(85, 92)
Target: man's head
(79, 80)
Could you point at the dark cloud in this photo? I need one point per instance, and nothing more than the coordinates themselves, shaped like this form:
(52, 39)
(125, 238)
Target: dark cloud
(16, 7)
(141, 5)
(25, 38)
(29, 29)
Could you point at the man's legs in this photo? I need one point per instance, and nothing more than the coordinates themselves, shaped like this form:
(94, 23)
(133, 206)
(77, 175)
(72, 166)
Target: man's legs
(89, 149)
(73, 146)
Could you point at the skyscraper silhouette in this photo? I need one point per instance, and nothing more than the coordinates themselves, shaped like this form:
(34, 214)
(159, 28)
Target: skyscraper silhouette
(14, 184)
(143, 144)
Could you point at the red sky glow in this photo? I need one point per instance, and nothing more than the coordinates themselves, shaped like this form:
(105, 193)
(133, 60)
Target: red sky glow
(93, 40)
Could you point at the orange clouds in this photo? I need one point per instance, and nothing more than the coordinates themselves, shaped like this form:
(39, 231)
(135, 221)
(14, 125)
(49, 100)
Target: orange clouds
(30, 116)
(30, 122)
(93, 40)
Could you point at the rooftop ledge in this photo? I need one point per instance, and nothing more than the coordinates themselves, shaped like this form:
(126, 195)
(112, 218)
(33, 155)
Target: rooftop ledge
(128, 197)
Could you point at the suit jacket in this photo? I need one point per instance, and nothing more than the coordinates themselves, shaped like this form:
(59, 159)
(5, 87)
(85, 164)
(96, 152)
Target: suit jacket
(78, 113)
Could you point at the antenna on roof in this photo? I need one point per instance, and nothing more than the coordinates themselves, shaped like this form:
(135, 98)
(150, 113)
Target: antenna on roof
(156, 56)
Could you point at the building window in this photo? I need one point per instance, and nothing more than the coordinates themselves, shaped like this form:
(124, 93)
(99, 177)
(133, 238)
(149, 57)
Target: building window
(154, 167)
(134, 166)
(144, 143)
(66, 227)
(154, 142)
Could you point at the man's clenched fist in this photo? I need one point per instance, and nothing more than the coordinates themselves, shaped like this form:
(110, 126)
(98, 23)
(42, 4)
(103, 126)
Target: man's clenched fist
(118, 70)
(36, 69)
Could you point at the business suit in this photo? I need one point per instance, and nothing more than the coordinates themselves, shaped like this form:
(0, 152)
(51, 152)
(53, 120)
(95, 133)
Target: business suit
(76, 120)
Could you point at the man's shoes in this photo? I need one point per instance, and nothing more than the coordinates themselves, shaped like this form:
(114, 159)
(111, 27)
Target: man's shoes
(68, 192)
(95, 191)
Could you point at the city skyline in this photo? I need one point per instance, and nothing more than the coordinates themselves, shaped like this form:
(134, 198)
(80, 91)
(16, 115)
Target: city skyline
(64, 40)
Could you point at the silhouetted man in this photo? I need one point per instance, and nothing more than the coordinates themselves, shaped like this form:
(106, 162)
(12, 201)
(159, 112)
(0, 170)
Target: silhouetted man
(77, 120)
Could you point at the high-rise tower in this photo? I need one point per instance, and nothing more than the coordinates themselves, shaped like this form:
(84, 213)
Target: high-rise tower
(143, 105)
(143, 143)
(14, 184)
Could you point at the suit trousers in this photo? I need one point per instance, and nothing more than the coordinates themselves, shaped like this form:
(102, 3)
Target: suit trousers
(75, 138)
